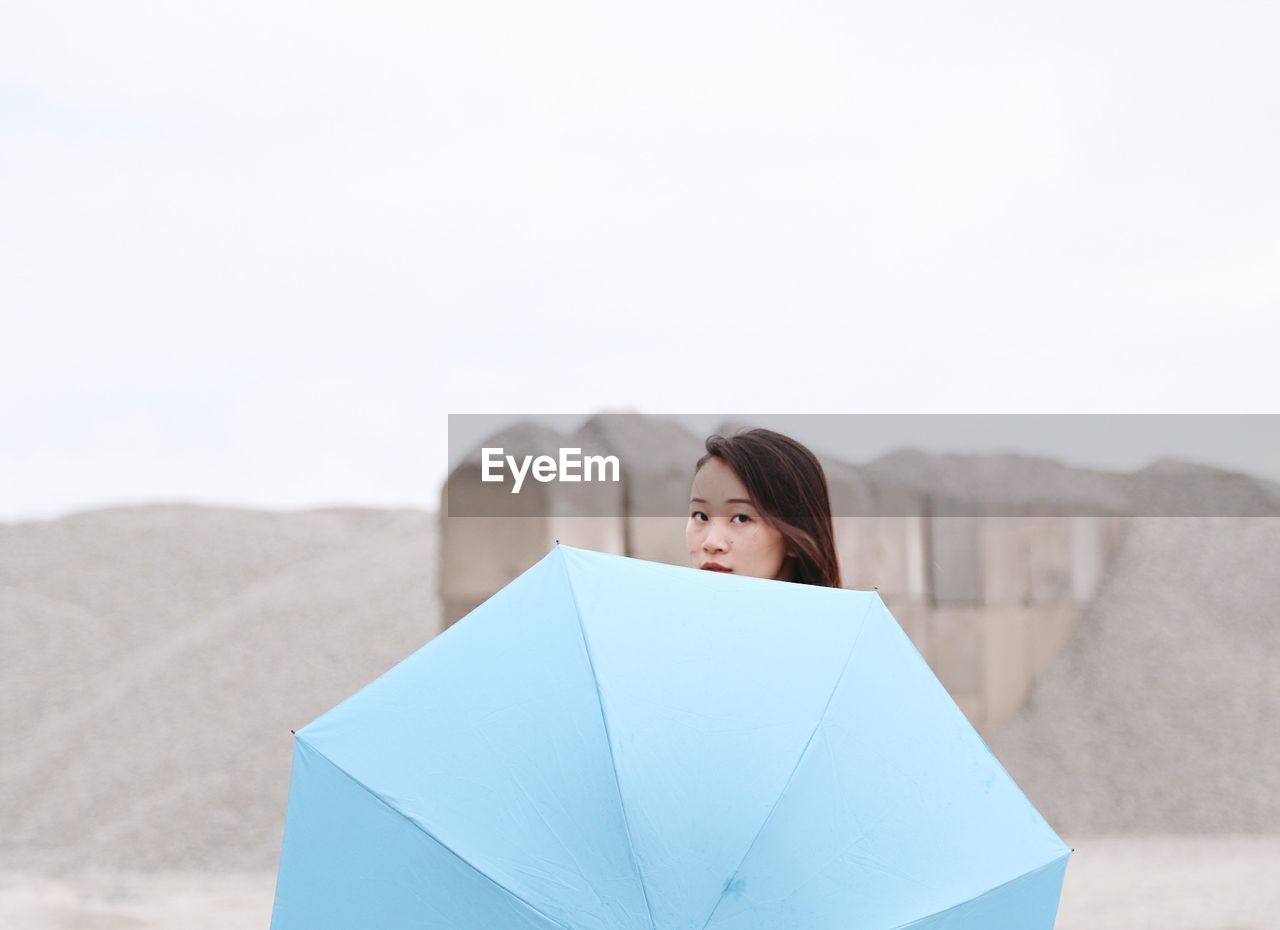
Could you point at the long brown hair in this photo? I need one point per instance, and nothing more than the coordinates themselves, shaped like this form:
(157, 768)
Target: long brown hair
(789, 488)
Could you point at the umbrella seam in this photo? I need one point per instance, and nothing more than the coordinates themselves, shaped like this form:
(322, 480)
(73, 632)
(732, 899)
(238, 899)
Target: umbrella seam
(989, 891)
(848, 660)
(608, 738)
(427, 833)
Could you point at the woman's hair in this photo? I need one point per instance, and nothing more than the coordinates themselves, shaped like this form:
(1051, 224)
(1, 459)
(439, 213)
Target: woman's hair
(789, 488)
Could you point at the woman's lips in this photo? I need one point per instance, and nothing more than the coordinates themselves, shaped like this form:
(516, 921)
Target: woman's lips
(714, 567)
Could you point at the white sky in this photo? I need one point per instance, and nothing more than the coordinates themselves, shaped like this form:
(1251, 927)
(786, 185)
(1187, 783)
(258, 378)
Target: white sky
(254, 253)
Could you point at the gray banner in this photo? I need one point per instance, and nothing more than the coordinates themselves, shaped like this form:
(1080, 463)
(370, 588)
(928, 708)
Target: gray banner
(631, 464)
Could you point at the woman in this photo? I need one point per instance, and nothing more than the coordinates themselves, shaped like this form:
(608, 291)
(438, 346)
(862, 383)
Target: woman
(759, 506)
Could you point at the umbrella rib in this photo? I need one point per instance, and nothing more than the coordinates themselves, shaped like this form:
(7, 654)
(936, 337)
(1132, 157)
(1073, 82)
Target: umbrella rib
(987, 893)
(435, 839)
(799, 759)
(608, 739)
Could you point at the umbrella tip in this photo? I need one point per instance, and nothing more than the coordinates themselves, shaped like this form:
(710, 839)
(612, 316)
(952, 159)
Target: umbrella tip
(294, 732)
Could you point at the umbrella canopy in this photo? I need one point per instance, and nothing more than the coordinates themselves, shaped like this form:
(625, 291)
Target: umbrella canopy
(614, 744)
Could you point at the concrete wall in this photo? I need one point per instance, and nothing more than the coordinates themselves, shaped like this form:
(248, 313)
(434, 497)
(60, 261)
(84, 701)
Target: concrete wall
(480, 554)
(987, 600)
(1005, 593)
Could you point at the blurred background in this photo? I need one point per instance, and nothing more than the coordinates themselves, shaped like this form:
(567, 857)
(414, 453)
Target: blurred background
(253, 255)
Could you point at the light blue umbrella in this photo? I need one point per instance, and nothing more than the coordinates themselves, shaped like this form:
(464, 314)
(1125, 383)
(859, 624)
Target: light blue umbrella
(616, 744)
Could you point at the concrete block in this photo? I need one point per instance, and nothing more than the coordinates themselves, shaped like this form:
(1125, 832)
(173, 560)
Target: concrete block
(853, 569)
(658, 539)
(884, 553)
(1008, 665)
(603, 534)
(1018, 644)
(1043, 560)
(1053, 627)
(914, 618)
(1006, 569)
(916, 582)
(1117, 528)
(480, 554)
(954, 560)
(657, 456)
(971, 705)
(851, 493)
(955, 639)
(455, 610)
(1089, 556)
(1049, 560)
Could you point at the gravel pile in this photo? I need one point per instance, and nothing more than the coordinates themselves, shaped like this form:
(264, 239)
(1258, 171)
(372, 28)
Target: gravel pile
(154, 659)
(1162, 712)
(1017, 484)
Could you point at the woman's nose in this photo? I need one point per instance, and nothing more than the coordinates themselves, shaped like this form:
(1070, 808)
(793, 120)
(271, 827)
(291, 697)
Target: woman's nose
(714, 541)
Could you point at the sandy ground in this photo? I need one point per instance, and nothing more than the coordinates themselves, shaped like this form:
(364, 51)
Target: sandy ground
(1113, 883)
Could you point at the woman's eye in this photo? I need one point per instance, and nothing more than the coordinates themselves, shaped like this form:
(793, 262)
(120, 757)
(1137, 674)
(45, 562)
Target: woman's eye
(699, 515)
(745, 517)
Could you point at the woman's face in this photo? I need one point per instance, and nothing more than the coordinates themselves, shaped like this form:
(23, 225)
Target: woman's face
(727, 531)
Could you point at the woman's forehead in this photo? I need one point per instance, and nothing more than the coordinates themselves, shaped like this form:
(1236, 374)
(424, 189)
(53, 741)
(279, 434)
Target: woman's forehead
(716, 483)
